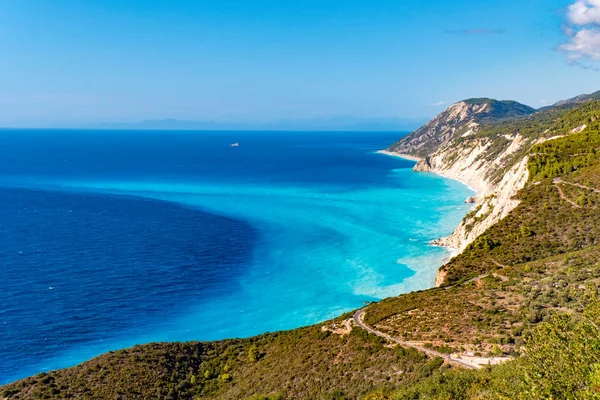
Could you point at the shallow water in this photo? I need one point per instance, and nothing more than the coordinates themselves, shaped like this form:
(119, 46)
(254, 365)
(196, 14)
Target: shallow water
(111, 238)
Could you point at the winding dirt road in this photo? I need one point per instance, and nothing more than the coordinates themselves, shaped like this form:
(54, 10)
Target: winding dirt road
(358, 319)
(556, 181)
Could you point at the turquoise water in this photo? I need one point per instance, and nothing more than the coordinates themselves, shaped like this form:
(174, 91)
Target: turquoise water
(131, 237)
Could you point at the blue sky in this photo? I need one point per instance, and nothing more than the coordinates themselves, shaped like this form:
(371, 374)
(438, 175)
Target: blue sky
(69, 62)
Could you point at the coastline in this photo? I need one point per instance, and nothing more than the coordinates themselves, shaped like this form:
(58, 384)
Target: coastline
(439, 242)
(417, 159)
(405, 156)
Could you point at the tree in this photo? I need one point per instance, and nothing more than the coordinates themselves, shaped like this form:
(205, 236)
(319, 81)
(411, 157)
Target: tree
(561, 359)
(253, 353)
(526, 231)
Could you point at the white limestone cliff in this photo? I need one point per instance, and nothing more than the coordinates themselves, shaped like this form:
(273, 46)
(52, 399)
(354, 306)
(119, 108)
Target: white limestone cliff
(496, 175)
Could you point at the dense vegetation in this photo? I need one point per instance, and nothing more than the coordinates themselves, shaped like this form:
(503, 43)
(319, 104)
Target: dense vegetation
(304, 363)
(568, 154)
(526, 288)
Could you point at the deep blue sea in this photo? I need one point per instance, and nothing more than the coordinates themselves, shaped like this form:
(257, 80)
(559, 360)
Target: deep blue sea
(114, 238)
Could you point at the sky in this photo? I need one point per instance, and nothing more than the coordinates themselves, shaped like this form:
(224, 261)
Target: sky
(66, 62)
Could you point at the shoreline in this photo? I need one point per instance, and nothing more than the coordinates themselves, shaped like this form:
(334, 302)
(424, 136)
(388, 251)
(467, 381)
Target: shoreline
(453, 252)
(417, 159)
(405, 156)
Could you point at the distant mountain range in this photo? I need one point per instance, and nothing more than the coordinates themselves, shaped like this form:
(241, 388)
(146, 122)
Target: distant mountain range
(494, 110)
(340, 123)
(575, 100)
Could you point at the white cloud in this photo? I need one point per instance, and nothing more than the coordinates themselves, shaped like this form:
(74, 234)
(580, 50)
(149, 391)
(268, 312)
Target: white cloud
(584, 12)
(439, 103)
(585, 43)
(583, 31)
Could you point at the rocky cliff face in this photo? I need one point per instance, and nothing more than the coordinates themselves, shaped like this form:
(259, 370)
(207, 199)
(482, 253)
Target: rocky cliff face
(450, 145)
(460, 120)
(493, 202)
(468, 163)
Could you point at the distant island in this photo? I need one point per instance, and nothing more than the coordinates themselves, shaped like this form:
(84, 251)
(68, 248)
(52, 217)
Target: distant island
(338, 123)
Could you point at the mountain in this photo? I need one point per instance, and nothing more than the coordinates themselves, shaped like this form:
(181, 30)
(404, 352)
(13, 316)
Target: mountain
(460, 119)
(573, 101)
(339, 123)
(517, 315)
(579, 99)
(498, 109)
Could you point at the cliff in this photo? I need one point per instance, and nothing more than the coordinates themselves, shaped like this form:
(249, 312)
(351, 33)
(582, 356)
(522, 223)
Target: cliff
(482, 143)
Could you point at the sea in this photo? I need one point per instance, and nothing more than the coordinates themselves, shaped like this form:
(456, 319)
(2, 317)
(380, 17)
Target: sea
(114, 238)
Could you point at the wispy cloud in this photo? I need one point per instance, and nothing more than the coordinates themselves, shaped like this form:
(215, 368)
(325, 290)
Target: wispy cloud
(583, 31)
(474, 31)
(439, 103)
(580, 64)
(584, 43)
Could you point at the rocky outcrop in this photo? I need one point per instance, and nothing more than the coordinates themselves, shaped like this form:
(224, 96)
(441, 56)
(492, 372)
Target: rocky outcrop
(440, 277)
(461, 120)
